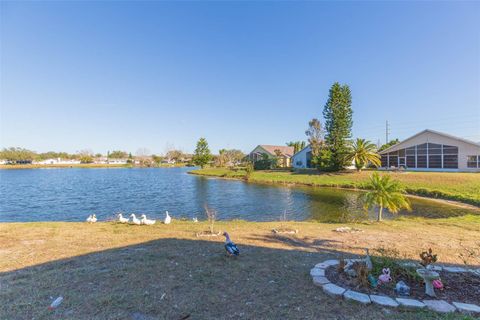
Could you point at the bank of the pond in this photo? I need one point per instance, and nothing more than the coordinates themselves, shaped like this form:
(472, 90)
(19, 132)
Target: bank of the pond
(109, 270)
(81, 165)
(454, 186)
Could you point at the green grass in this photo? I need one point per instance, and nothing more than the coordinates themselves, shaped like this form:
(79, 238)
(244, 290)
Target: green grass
(462, 187)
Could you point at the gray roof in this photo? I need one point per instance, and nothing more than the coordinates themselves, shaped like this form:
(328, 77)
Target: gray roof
(431, 131)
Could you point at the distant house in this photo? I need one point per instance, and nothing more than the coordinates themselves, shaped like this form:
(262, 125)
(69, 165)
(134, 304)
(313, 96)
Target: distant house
(303, 158)
(262, 151)
(431, 150)
(117, 161)
(57, 161)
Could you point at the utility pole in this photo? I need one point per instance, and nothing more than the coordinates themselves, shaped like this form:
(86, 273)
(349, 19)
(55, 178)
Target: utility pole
(386, 131)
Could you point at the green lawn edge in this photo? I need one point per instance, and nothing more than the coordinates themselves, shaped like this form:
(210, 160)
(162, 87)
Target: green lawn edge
(272, 177)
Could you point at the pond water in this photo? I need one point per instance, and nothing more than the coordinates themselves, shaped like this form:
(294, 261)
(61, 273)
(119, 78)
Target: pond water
(71, 194)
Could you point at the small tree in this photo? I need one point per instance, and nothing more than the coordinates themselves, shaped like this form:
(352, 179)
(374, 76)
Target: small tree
(85, 156)
(211, 217)
(361, 153)
(248, 170)
(297, 145)
(202, 154)
(117, 154)
(385, 193)
(315, 135)
(389, 144)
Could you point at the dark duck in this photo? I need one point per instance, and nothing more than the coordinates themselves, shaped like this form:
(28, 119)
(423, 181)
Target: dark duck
(231, 248)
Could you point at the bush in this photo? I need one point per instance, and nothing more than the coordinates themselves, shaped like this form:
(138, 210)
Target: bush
(265, 164)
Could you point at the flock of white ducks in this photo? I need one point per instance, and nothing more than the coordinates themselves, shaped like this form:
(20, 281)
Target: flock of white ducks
(136, 221)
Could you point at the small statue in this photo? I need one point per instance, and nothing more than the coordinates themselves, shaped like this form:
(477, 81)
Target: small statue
(385, 276)
(402, 289)
(373, 281)
(368, 260)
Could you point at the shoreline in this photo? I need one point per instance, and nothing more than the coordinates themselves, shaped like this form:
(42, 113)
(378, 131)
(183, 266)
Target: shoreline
(81, 166)
(445, 200)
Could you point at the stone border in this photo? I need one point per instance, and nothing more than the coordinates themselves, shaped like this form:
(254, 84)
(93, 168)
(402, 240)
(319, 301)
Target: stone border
(319, 279)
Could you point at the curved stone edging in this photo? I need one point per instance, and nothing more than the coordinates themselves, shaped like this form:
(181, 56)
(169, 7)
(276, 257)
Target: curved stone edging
(320, 279)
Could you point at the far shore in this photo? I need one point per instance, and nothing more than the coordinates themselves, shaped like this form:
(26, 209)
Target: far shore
(82, 165)
(460, 189)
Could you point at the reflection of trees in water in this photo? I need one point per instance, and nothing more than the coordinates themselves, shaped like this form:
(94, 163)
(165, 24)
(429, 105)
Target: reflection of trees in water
(334, 205)
(353, 208)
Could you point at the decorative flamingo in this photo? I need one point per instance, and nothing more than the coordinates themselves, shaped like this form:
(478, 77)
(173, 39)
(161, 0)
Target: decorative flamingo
(437, 284)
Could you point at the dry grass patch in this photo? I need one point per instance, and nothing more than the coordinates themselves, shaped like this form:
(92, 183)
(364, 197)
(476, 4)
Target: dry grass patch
(113, 271)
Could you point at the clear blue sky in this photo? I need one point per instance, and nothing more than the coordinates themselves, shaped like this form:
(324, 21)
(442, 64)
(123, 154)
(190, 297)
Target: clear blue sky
(125, 75)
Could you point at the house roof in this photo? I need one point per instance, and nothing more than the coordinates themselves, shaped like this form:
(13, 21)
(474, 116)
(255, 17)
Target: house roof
(431, 131)
(307, 146)
(287, 151)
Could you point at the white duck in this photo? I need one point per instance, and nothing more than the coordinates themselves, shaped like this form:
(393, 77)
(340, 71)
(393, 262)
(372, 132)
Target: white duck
(167, 219)
(122, 219)
(92, 218)
(134, 219)
(144, 220)
(195, 219)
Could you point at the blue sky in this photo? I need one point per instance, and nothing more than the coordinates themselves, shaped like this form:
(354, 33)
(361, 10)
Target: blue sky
(128, 75)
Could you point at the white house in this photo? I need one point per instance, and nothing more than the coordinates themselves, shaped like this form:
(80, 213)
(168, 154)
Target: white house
(431, 150)
(57, 161)
(302, 159)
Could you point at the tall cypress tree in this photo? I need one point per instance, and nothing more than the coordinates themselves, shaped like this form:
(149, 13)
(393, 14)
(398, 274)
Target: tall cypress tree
(338, 123)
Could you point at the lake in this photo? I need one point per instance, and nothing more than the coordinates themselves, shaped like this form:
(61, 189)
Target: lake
(71, 194)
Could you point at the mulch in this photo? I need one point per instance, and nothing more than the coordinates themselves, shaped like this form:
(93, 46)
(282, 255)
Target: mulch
(460, 287)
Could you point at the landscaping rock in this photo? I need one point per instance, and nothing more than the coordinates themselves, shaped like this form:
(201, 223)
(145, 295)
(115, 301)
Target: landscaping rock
(317, 272)
(333, 289)
(410, 303)
(357, 296)
(467, 307)
(320, 281)
(383, 301)
(455, 269)
(322, 265)
(332, 262)
(410, 264)
(475, 271)
(437, 268)
(439, 306)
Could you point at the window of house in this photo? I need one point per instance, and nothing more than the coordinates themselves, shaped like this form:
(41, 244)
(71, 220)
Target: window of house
(450, 149)
(435, 161)
(411, 161)
(384, 161)
(472, 161)
(422, 149)
(410, 151)
(421, 161)
(450, 161)
(393, 161)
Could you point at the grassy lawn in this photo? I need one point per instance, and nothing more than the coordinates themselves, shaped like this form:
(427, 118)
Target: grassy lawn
(114, 271)
(463, 187)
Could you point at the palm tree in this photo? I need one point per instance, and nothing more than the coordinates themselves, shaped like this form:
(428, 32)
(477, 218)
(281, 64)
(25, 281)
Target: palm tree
(385, 193)
(362, 152)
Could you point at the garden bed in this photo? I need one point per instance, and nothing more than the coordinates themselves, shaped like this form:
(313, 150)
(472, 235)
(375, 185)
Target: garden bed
(458, 286)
